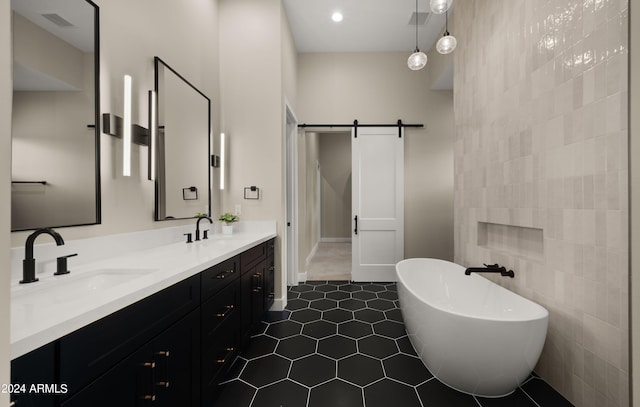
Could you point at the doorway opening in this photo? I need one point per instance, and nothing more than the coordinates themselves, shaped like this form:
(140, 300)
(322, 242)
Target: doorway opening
(330, 257)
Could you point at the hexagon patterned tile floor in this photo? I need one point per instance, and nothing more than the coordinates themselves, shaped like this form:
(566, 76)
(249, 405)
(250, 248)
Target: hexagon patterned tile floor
(344, 344)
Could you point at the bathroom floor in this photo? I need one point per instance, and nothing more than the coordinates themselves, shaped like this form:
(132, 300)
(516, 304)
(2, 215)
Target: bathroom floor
(331, 261)
(342, 344)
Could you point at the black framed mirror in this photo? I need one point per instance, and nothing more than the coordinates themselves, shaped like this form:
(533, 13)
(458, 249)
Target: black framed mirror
(55, 122)
(181, 146)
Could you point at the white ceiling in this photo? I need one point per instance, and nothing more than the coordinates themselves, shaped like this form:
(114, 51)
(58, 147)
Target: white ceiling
(78, 13)
(368, 25)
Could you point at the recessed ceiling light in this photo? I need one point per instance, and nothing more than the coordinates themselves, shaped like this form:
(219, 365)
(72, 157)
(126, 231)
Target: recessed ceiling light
(337, 17)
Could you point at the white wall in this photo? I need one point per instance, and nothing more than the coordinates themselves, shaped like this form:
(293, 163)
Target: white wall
(257, 71)
(540, 92)
(185, 35)
(335, 188)
(5, 191)
(308, 205)
(634, 182)
(379, 88)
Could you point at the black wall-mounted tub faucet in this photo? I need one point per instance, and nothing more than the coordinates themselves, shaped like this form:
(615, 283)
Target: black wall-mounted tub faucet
(490, 268)
(29, 262)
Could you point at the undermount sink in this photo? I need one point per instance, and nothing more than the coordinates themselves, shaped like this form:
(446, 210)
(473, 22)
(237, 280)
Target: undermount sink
(86, 283)
(104, 278)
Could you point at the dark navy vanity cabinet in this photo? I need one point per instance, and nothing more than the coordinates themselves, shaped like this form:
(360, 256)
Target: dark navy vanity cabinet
(169, 349)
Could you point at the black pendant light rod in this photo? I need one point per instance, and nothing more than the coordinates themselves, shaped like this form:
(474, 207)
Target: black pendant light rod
(446, 23)
(417, 26)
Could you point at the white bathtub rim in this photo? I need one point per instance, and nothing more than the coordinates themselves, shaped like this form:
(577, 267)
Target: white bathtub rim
(542, 313)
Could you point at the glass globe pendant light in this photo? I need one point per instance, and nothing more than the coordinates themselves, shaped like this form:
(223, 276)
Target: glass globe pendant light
(448, 42)
(418, 59)
(440, 6)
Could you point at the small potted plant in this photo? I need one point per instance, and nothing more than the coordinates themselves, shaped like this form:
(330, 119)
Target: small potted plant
(228, 219)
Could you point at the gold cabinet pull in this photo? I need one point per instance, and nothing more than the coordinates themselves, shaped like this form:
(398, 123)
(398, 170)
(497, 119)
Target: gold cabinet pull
(163, 384)
(223, 275)
(227, 309)
(151, 365)
(150, 397)
(164, 353)
(224, 359)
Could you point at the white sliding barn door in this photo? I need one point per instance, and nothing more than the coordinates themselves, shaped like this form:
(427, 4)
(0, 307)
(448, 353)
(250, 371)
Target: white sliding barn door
(377, 202)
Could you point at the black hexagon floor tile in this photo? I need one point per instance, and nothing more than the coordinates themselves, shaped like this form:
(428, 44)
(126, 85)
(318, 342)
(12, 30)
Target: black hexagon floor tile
(394, 315)
(336, 393)
(297, 303)
(320, 329)
(360, 369)
(388, 295)
(390, 329)
(355, 329)
(261, 345)
(337, 315)
(236, 394)
(406, 369)
(323, 304)
(352, 304)
(265, 370)
(284, 393)
(374, 288)
(364, 295)
(305, 315)
(338, 295)
(311, 295)
(387, 392)
(296, 347)
(377, 346)
(313, 370)
(284, 329)
(381, 305)
(337, 346)
(350, 288)
(326, 288)
(344, 344)
(405, 346)
(369, 315)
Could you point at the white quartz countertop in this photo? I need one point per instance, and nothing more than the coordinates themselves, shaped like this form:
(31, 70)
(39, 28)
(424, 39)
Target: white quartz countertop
(46, 310)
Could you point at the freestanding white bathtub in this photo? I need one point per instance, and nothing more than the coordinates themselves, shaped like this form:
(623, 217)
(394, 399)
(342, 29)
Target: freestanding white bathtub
(472, 334)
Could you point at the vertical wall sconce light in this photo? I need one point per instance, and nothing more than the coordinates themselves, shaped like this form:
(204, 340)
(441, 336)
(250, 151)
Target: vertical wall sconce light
(222, 160)
(153, 133)
(126, 128)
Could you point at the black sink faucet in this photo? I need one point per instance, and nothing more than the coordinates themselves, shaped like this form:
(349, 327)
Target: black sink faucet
(490, 268)
(198, 226)
(29, 263)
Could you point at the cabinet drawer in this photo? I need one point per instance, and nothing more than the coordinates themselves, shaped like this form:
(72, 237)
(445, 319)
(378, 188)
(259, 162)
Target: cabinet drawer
(218, 357)
(36, 367)
(225, 305)
(252, 256)
(219, 276)
(94, 349)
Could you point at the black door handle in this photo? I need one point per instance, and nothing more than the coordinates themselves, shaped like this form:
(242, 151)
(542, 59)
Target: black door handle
(356, 229)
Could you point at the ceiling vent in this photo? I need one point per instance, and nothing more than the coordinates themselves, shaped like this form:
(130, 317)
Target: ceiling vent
(419, 18)
(57, 20)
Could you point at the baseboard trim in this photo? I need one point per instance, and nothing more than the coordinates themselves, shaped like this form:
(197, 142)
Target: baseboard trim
(302, 277)
(279, 304)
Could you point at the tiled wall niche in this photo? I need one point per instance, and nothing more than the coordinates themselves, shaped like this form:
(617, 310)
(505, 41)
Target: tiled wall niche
(540, 95)
(512, 240)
